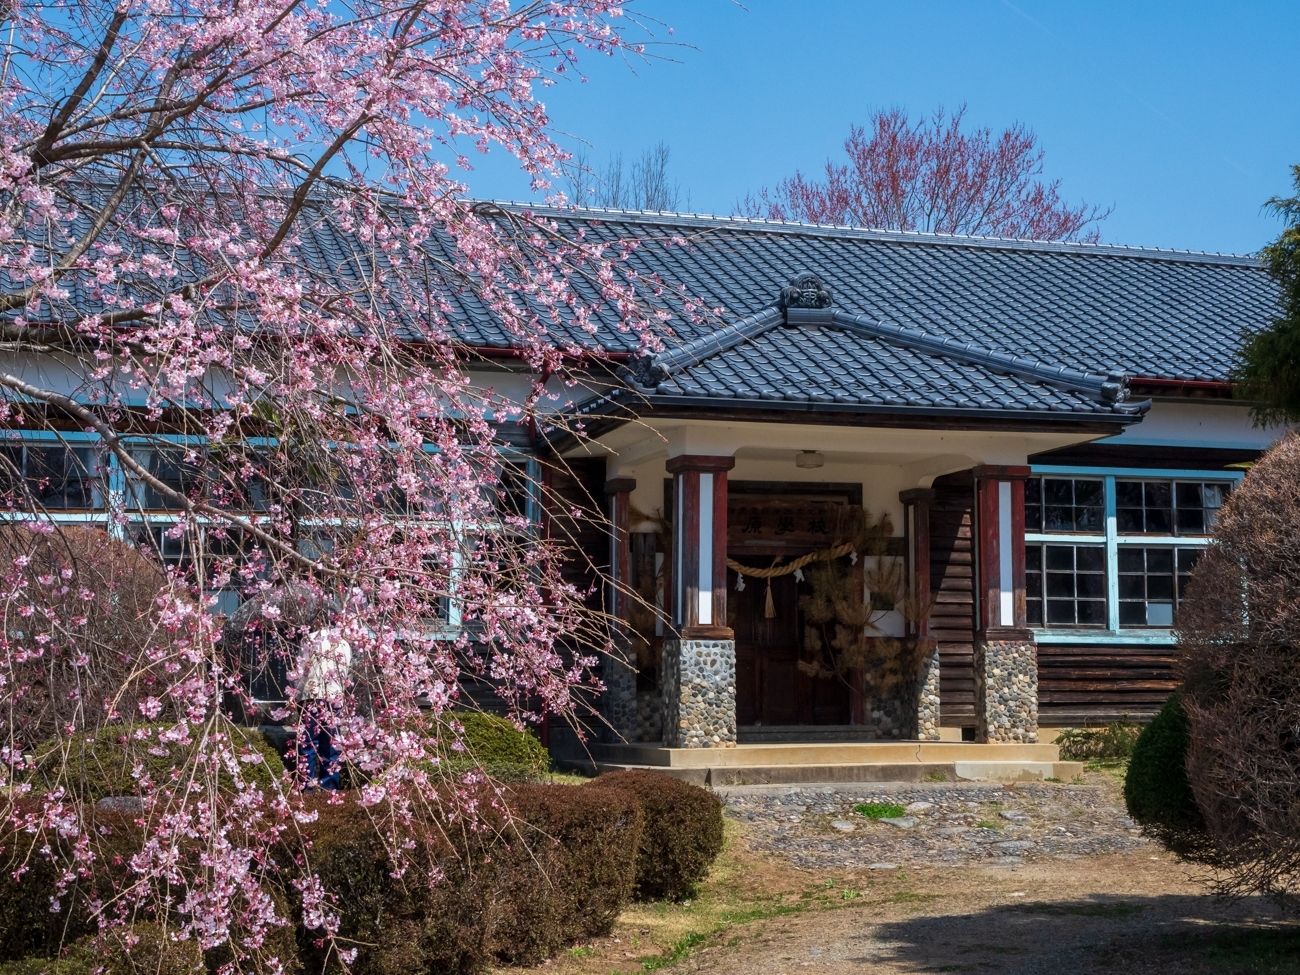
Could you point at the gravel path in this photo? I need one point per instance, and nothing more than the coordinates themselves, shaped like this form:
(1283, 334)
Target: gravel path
(816, 827)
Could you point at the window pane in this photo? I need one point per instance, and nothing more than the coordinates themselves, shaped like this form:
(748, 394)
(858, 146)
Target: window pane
(1092, 612)
(1129, 520)
(1132, 587)
(1060, 557)
(1033, 505)
(1072, 590)
(1132, 613)
(1088, 493)
(1160, 613)
(1155, 494)
(1128, 494)
(1091, 584)
(1060, 584)
(1057, 491)
(1158, 521)
(1160, 560)
(1090, 558)
(1089, 520)
(1191, 521)
(1060, 611)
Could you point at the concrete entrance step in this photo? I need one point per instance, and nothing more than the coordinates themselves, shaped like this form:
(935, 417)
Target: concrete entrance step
(824, 753)
(968, 771)
(795, 763)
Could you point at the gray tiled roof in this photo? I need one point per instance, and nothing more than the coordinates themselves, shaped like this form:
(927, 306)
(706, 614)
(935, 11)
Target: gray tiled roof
(1150, 313)
(1091, 308)
(828, 359)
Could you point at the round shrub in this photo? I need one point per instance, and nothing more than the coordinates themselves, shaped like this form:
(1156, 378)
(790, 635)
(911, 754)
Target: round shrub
(96, 764)
(27, 925)
(492, 744)
(682, 834)
(142, 948)
(1238, 629)
(514, 886)
(574, 863)
(1156, 790)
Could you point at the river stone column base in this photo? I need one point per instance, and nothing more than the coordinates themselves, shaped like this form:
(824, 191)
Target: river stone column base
(927, 696)
(619, 702)
(649, 716)
(1006, 691)
(699, 688)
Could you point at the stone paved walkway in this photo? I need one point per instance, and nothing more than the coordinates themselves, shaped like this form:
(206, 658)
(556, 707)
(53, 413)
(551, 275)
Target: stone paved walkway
(815, 827)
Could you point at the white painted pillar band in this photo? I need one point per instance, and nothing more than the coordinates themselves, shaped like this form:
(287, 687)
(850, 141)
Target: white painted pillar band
(704, 567)
(1006, 584)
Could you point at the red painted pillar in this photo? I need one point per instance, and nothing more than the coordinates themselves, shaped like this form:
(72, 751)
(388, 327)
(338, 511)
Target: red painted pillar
(1000, 547)
(699, 571)
(1006, 658)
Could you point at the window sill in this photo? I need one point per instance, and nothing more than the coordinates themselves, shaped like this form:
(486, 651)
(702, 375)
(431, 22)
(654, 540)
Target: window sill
(1151, 637)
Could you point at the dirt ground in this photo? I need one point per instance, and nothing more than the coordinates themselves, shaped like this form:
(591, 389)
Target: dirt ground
(1120, 913)
(1134, 911)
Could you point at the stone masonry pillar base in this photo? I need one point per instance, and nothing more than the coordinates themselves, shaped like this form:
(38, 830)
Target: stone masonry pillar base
(699, 684)
(927, 695)
(620, 704)
(1006, 690)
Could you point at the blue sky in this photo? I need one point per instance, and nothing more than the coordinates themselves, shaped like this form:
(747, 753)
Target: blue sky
(1183, 116)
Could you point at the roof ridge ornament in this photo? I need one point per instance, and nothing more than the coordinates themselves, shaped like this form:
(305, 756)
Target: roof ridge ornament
(805, 290)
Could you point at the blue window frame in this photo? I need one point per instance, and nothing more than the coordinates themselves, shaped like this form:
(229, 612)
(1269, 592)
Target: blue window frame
(1108, 551)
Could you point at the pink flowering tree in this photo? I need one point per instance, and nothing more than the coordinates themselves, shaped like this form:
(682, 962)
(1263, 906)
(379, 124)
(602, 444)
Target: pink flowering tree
(234, 249)
(933, 174)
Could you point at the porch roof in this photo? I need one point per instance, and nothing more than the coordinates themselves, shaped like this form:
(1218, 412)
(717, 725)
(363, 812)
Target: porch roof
(829, 359)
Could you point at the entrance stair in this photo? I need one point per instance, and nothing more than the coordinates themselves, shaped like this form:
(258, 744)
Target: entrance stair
(818, 761)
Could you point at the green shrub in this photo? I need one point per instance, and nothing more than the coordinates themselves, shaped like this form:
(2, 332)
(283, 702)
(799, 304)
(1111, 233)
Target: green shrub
(514, 888)
(96, 764)
(682, 835)
(574, 870)
(492, 744)
(137, 949)
(27, 925)
(1112, 743)
(1156, 789)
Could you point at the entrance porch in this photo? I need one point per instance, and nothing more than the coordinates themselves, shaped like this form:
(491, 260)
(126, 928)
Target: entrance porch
(778, 586)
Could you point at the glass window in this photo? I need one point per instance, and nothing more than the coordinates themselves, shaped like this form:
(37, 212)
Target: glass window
(1151, 583)
(178, 468)
(1065, 585)
(1167, 507)
(52, 475)
(1070, 585)
(1064, 504)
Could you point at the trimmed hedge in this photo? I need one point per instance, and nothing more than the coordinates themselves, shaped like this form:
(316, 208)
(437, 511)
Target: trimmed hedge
(518, 889)
(138, 949)
(27, 926)
(492, 744)
(97, 764)
(574, 871)
(1156, 789)
(682, 835)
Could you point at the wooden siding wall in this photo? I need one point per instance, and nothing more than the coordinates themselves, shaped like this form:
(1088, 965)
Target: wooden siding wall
(580, 485)
(1091, 685)
(1077, 685)
(952, 586)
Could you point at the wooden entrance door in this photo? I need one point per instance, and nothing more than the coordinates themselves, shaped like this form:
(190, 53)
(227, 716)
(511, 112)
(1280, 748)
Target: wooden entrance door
(771, 688)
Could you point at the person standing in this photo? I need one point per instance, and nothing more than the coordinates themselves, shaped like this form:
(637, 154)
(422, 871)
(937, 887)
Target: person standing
(324, 665)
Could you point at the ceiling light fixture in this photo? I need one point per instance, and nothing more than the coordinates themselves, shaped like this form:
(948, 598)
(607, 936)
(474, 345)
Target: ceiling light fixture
(809, 459)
